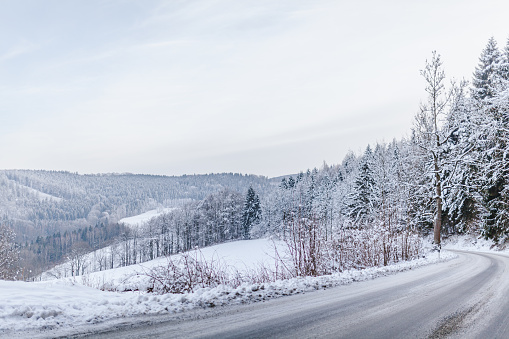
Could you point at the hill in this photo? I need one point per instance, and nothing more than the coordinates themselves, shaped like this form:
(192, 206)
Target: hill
(41, 203)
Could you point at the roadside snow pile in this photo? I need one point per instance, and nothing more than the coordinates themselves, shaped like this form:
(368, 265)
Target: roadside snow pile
(59, 304)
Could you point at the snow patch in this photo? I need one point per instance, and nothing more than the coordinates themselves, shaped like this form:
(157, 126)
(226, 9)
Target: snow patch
(474, 243)
(141, 219)
(40, 195)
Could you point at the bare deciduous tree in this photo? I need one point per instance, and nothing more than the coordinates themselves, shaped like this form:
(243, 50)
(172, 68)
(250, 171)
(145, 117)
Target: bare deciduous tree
(431, 137)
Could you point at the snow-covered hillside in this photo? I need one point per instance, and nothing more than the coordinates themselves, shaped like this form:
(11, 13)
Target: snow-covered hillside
(39, 203)
(140, 219)
(38, 194)
(241, 256)
(66, 302)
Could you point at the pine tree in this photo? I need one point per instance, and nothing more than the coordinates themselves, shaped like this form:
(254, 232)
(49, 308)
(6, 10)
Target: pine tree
(504, 64)
(362, 198)
(487, 72)
(494, 178)
(291, 182)
(386, 186)
(8, 254)
(252, 212)
(462, 201)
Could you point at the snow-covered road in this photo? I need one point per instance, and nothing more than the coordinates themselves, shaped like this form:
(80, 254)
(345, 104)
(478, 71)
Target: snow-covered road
(465, 298)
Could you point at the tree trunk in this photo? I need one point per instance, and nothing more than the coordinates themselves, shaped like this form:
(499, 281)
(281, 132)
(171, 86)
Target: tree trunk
(438, 219)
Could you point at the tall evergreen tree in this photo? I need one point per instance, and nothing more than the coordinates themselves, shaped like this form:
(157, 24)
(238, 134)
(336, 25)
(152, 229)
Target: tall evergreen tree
(487, 72)
(362, 198)
(8, 254)
(252, 212)
(503, 68)
(494, 178)
(462, 201)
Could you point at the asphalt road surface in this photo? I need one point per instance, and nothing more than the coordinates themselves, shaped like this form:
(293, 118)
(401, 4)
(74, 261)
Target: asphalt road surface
(467, 297)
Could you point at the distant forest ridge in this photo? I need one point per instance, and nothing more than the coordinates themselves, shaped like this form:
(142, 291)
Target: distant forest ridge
(39, 203)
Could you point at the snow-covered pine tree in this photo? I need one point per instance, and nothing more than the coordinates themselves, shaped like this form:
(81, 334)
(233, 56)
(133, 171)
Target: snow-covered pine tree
(362, 199)
(504, 64)
(486, 73)
(9, 254)
(386, 187)
(495, 164)
(252, 212)
(462, 201)
(401, 191)
(291, 182)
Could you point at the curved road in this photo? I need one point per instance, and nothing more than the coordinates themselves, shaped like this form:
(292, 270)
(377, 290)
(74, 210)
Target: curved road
(467, 297)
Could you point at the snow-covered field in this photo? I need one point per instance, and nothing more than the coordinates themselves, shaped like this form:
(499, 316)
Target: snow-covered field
(140, 219)
(74, 302)
(243, 256)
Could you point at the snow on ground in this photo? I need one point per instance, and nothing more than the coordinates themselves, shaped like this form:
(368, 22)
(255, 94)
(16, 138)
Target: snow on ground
(243, 256)
(65, 303)
(140, 219)
(40, 195)
(470, 243)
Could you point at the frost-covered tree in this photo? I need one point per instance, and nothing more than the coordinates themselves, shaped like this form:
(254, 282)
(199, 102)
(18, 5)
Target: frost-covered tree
(494, 160)
(462, 198)
(252, 212)
(323, 204)
(504, 63)
(388, 186)
(363, 198)
(8, 254)
(431, 137)
(486, 73)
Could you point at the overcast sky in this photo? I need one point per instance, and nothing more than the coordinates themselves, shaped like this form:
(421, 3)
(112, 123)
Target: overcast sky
(184, 87)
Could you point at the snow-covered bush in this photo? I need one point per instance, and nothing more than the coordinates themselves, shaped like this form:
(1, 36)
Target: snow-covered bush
(313, 254)
(185, 273)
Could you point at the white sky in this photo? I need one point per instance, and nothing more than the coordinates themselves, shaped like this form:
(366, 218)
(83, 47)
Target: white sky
(183, 87)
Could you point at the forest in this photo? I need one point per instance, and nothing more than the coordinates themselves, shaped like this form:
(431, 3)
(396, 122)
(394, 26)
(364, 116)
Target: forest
(53, 214)
(41, 203)
(450, 176)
